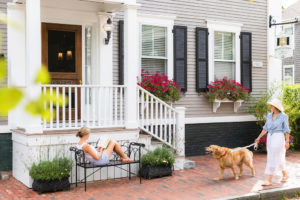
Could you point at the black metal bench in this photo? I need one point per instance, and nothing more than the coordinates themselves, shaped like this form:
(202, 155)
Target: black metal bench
(133, 151)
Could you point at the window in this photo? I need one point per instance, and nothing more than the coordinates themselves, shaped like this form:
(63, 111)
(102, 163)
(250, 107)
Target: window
(224, 55)
(154, 55)
(288, 74)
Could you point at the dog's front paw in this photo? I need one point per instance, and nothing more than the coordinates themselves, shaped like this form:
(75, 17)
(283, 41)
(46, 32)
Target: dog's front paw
(236, 178)
(217, 179)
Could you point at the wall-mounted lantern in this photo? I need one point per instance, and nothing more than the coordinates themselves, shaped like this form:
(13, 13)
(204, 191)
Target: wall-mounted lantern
(108, 28)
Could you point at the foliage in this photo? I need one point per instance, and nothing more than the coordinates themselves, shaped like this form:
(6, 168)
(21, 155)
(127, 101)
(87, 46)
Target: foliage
(158, 157)
(260, 109)
(226, 89)
(57, 169)
(160, 86)
(291, 103)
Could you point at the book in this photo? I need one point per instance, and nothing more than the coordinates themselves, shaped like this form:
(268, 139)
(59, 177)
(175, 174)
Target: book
(102, 142)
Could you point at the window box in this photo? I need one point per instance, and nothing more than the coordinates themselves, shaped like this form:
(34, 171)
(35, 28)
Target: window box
(236, 104)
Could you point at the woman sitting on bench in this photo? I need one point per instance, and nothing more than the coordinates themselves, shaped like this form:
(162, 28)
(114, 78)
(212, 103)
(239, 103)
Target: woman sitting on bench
(99, 156)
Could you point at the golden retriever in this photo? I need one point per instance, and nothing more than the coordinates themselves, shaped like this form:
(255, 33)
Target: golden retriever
(228, 159)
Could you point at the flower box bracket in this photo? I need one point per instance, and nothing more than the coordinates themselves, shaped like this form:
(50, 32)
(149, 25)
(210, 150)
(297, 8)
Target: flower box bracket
(236, 104)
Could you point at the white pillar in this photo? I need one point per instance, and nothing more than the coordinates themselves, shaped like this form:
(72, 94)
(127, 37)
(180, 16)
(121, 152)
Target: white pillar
(131, 50)
(180, 131)
(106, 53)
(32, 124)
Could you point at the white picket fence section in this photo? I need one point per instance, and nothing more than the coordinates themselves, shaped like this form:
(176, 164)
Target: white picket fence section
(94, 106)
(156, 117)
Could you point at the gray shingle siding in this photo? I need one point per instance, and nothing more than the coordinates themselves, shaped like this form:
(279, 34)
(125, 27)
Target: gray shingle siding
(297, 53)
(193, 13)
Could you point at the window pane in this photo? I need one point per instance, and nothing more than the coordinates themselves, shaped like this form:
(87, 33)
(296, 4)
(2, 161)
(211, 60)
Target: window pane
(288, 75)
(225, 69)
(153, 41)
(224, 45)
(154, 65)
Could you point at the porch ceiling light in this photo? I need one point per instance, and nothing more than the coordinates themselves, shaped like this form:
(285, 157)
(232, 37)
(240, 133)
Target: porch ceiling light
(108, 28)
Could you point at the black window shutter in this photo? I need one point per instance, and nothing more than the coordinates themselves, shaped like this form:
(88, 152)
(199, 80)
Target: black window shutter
(201, 59)
(121, 52)
(180, 56)
(246, 60)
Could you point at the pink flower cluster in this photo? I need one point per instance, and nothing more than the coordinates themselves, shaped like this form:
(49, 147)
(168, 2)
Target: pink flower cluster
(224, 88)
(160, 86)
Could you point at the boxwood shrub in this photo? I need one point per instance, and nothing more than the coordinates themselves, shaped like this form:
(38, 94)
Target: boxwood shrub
(57, 169)
(158, 157)
(291, 103)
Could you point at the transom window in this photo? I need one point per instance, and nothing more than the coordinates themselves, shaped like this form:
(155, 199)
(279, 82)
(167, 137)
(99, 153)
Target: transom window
(224, 55)
(154, 49)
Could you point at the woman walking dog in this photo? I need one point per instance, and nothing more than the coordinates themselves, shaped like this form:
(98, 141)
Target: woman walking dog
(277, 127)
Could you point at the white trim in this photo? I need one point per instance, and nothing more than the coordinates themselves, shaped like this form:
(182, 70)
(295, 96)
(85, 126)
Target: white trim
(293, 68)
(223, 26)
(222, 119)
(4, 129)
(163, 21)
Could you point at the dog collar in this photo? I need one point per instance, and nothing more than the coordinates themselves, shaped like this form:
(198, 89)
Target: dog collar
(224, 154)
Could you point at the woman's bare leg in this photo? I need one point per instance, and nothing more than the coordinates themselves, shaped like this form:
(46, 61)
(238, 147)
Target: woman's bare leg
(284, 176)
(114, 146)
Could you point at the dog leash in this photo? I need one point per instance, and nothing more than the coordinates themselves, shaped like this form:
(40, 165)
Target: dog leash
(254, 144)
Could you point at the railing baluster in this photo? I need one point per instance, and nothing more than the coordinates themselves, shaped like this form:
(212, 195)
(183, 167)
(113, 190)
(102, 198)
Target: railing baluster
(160, 121)
(152, 114)
(147, 112)
(64, 107)
(156, 117)
(88, 106)
(165, 124)
(45, 107)
(142, 108)
(174, 129)
(116, 105)
(99, 105)
(82, 105)
(76, 106)
(70, 107)
(51, 107)
(121, 106)
(110, 106)
(57, 107)
(169, 127)
(105, 106)
(93, 105)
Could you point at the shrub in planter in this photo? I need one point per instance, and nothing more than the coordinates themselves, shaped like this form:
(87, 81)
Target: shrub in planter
(226, 89)
(291, 103)
(160, 86)
(158, 163)
(51, 176)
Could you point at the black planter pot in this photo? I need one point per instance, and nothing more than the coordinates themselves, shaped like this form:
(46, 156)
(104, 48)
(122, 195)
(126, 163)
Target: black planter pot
(51, 186)
(149, 172)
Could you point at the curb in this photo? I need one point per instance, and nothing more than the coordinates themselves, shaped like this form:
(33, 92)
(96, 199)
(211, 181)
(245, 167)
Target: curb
(272, 194)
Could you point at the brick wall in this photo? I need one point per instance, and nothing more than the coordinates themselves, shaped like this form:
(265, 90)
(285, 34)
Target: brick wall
(234, 134)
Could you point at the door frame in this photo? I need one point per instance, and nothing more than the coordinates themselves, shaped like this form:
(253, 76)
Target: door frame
(78, 46)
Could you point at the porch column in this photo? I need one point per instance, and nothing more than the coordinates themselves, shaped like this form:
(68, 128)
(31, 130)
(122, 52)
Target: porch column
(32, 124)
(131, 50)
(106, 53)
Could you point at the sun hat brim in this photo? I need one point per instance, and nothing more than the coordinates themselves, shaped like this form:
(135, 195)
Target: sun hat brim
(279, 107)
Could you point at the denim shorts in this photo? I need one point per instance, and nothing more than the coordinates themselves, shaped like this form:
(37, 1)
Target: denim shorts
(103, 160)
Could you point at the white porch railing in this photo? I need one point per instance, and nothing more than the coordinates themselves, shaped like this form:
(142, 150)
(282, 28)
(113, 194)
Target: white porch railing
(95, 106)
(157, 118)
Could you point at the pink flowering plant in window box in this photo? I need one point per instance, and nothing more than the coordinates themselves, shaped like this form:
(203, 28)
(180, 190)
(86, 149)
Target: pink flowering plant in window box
(225, 89)
(160, 86)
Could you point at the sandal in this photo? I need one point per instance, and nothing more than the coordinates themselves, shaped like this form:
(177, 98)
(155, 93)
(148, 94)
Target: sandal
(266, 183)
(284, 178)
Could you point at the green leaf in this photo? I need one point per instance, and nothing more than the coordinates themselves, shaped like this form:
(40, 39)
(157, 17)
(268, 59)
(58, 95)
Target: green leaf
(3, 66)
(43, 76)
(10, 97)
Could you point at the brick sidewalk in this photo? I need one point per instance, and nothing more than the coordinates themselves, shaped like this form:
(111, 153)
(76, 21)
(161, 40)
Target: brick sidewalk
(189, 184)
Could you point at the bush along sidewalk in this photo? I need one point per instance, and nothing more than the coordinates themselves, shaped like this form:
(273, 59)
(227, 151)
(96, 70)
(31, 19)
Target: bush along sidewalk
(51, 176)
(158, 163)
(291, 103)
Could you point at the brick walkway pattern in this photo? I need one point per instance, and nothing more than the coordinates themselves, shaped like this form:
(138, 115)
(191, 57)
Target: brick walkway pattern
(197, 183)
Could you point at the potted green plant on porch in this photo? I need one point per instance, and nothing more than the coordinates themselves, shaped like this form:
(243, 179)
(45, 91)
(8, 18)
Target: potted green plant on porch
(51, 176)
(157, 163)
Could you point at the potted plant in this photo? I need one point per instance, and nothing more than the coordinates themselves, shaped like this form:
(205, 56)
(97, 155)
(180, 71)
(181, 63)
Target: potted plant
(157, 163)
(51, 176)
(160, 86)
(226, 90)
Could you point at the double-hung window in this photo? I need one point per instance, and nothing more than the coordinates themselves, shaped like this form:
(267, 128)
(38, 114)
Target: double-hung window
(154, 55)
(224, 55)
(288, 74)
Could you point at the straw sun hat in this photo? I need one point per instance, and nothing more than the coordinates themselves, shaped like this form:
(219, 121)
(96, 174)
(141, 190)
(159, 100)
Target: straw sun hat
(276, 103)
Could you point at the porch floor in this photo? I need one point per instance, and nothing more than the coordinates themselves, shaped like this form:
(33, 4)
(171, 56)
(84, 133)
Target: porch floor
(197, 183)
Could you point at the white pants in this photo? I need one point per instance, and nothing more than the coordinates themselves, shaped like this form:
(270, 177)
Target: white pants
(276, 153)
